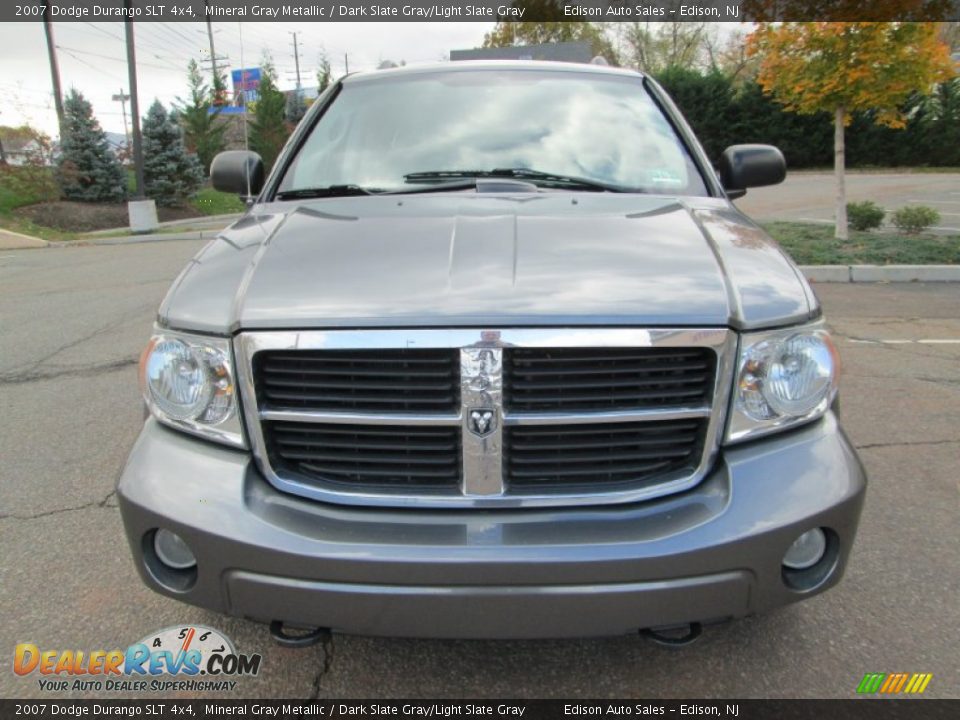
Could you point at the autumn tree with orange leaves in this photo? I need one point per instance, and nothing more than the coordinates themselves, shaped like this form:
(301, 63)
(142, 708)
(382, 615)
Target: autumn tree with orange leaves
(843, 67)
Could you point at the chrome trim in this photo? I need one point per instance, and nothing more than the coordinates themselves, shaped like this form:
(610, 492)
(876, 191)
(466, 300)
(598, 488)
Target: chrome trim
(617, 416)
(481, 391)
(720, 340)
(315, 416)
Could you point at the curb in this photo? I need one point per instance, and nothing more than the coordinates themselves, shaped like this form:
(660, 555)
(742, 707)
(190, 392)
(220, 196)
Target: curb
(200, 220)
(10, 240)
(881, 273)
(138, 239)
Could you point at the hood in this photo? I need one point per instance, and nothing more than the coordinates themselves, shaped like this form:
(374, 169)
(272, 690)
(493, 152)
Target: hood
(471, 259)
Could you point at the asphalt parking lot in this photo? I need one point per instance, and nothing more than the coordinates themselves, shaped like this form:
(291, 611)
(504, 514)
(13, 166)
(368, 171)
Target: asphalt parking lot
(808, 196)
(73, 321)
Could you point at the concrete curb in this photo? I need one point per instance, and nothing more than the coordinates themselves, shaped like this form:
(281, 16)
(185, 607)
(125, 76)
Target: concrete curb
(881, 273)
(138, 239)
(199, 221)
(10, 240)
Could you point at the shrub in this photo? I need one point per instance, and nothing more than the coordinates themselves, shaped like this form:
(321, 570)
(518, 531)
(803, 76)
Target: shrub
(32, 180)
(913, 219)
(864, 215)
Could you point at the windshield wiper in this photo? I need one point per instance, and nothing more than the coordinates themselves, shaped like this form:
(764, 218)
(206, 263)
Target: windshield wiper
(528, 174)
(465, 183)
(324, 192)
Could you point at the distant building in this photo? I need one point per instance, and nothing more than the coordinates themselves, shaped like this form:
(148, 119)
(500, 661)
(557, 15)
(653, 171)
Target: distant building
(22, 147)
(574, 52)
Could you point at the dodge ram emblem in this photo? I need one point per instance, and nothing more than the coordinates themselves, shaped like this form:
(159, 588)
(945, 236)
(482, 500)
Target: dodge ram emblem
(482, 422)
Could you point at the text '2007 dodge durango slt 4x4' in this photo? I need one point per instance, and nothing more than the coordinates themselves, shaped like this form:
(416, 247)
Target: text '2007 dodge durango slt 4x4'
(492, 354)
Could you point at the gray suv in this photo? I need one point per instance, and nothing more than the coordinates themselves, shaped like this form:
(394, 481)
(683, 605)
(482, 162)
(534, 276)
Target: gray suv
(492, 355)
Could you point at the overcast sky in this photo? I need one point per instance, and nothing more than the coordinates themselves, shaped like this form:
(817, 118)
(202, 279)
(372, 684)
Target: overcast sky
(92, 58)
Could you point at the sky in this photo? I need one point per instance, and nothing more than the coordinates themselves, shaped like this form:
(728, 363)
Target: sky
(92, 58)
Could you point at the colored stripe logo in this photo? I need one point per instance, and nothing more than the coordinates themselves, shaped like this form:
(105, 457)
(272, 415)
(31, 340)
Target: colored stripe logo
(894, 683)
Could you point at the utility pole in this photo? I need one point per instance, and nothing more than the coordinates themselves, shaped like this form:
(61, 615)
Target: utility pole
(122, 99)
(296, 58)
(134, 105)
(213, 57)
(54, 68)
(346, 64)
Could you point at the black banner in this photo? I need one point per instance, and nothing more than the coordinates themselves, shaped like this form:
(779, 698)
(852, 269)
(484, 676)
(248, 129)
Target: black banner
(475, 10)
(854, 709)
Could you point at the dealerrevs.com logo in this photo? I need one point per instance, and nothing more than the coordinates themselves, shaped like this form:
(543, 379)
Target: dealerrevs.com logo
(191, 657)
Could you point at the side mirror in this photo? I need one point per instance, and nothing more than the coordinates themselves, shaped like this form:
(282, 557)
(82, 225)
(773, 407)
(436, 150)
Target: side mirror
(746, 166)
(237, 171)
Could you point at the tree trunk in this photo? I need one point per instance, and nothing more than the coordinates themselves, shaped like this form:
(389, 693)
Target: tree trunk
(839, 162)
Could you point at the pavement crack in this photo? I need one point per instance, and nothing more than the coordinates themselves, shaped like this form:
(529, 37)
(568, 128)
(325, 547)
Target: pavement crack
(328, 652)
(870, 446)
(33, 370)
(35, 374)
(103, 503)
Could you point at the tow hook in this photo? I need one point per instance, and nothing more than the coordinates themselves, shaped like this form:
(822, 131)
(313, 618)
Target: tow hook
(303, 638)
(674, 636)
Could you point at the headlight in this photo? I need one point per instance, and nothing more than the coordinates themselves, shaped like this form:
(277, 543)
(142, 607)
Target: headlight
(784, 378)
(188, 383)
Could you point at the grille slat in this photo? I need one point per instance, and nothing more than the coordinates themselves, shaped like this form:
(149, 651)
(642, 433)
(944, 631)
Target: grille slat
(367, 456)
(614, 369)
(573, 384)
(325, 401)
(602, 455)
(626, 469)
(381, 381)
(596, 379)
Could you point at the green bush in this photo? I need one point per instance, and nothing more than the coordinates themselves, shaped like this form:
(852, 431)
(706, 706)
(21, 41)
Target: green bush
(865, 215)
(913, 219)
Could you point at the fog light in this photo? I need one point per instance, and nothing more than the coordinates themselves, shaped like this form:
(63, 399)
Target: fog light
(806, 550)
(172, 550)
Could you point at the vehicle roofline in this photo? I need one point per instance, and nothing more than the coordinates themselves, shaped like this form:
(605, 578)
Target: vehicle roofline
(481, 65)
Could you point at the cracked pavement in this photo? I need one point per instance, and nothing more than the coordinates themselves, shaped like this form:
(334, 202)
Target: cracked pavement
(73, 321)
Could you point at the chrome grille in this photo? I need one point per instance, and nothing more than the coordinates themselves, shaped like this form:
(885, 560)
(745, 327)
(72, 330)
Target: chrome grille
(371, 456)
(360, 380)
(494, 418)
(584, 379)
(601, 456)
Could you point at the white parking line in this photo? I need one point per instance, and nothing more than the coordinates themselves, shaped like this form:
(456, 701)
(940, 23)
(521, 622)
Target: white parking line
(926, 341)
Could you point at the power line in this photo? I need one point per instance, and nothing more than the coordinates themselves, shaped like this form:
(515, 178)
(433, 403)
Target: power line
(172, 41)
(109, 57)
(105, 32)
(169, 29)
(89, 65)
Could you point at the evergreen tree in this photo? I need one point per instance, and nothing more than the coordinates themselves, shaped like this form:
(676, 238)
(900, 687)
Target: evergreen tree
(203, 132)
(268, 128)
(296, 107)
(220, 92)
(170, 174)
(324, 72)
(87, 170)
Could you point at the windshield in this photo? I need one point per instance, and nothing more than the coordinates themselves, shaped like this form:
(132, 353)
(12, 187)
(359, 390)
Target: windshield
(606, 129)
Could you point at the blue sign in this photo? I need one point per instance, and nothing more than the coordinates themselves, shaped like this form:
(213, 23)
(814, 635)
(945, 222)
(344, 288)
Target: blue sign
(246, 85)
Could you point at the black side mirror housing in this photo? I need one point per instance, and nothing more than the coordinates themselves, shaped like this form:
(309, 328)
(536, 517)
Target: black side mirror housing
(237, 171)
(746, 166)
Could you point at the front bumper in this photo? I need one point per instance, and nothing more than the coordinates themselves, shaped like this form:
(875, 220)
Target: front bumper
(709, 554)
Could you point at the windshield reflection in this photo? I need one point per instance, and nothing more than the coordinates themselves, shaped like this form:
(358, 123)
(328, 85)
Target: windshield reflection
(602, 128)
